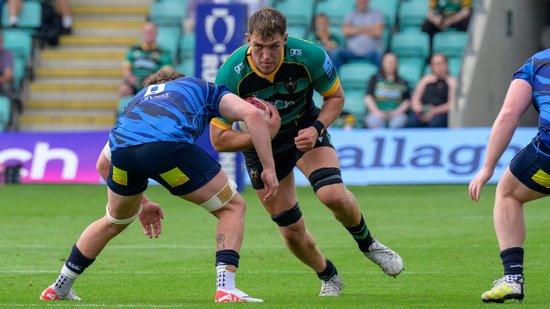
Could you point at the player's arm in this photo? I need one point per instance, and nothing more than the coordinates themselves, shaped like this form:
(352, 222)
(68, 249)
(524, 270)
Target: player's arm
(151, 213)
(225, 139)
(516, 102)
(234, 108)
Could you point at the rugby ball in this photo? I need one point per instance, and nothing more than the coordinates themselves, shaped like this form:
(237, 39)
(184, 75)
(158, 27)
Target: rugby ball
(259, 104)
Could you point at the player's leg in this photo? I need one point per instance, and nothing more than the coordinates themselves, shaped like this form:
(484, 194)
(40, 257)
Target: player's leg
(526, 179)
(196, 177)
(322, 168)
(285, 212)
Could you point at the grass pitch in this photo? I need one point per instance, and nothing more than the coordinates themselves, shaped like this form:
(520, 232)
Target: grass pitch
(447, 243)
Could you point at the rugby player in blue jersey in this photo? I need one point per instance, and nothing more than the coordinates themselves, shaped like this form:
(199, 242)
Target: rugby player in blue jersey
(527, 177)
(155, 138)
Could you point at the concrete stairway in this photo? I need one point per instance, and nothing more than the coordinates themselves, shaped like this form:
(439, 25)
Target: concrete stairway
(76, 83)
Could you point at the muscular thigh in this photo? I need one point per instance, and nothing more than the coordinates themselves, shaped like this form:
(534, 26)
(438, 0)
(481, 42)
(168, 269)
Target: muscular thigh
(317, 158)
(285, 198)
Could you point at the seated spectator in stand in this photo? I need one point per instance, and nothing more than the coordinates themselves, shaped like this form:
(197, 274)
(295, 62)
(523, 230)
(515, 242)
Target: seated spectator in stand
(62, 7)
(388, 96)
(323, 36)
(445, 14)
(434, 96)
(142, 60)
(191, 11)
(363, 30)
(6, 75)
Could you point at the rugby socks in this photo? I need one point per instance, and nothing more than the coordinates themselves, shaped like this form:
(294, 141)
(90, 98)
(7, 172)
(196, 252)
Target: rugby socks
(361, 234)
(512, 260)
(227, 262)
(329, 271)
(74, 266)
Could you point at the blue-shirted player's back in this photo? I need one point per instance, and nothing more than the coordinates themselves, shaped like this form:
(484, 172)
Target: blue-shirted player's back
(176, 111)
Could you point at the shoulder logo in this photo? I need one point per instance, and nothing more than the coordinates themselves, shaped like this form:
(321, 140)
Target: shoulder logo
(296, 52)
(238, 68)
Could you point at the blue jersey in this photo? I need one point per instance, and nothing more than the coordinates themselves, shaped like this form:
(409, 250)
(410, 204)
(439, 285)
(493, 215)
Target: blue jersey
(536, 71)
(176, 111)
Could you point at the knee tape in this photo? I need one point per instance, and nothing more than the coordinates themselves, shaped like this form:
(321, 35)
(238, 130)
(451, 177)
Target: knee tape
(221, 198)
(107, 151)
(288, 217)
(324, 177)
(122, 221)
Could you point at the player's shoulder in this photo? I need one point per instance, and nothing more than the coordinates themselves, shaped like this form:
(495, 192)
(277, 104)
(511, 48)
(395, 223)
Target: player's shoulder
(236, 60)
(304, 51)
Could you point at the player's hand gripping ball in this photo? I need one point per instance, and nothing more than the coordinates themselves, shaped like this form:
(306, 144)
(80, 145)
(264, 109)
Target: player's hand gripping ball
(260, 104)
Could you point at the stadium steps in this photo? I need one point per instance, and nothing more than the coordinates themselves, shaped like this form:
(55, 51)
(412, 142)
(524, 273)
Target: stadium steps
(75, 85)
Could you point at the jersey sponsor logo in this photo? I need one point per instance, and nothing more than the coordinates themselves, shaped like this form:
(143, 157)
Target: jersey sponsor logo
(238, 68)
(296, 52)
(329, 68)
(290, 85)
(281, 104)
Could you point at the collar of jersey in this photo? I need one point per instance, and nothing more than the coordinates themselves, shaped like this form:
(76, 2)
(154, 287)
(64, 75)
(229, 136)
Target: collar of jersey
(270, 77)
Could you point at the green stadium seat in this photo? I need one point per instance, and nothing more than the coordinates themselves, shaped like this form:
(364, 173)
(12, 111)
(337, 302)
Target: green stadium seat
(388, 8)
(410, 44)
(168, 13)
(19, 42)
(356, 75)
(411, 14)
(298, 13)
(355, 104)
(299, 32)
(19, 72)
(336, 10)
(5, 113)
(411, 70)
(168, 39)
(455, 65)
(30, 16)
(187, 47)
(450, 43)
(187, 67)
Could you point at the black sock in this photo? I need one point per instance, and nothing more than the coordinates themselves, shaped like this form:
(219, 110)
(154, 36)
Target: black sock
(227, 257)
(329, 271)
(512, 260)
(361, 234)
(77, 262)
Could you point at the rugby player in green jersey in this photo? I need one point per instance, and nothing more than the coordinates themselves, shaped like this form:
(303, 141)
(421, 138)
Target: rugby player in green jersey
(285, 71)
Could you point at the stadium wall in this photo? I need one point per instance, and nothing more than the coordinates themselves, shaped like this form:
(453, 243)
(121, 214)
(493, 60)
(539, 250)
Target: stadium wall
(503, 34)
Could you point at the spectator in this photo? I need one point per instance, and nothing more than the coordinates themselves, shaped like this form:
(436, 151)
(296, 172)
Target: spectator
(434, 96)
(191, 11)
(323, 36)
(388, 96)
(143, 60)
(6, 75)
(62, 7)
(445, 14)
(363, 29)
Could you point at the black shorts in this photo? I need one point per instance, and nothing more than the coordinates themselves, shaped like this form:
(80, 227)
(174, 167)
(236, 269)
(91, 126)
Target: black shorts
(285, 154)
(531, 166)
(180, 167)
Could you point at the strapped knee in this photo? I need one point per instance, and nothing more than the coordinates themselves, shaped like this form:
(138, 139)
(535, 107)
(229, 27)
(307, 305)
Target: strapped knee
(288, 217)
(221, 198)
(324, 177)
(122, 221)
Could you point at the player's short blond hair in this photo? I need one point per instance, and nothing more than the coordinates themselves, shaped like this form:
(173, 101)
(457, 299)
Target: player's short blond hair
(267, 23)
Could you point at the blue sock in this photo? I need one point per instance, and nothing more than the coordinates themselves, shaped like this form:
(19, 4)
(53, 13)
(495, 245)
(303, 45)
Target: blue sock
(512, 260)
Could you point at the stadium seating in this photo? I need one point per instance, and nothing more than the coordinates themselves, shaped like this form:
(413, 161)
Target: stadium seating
(19, 42)
(410, 44)
(356, 75)
(335, 10)
(19, 72)
(187, 47)
(122, 102)
(299, 32)
(450, 43)
(168, 39)
(168, 12)
(388, 8)
(187, 67)
(355, 104)
(412, 14)
(30, 17)
(411, 69)
(5, 113)
(298, 13)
